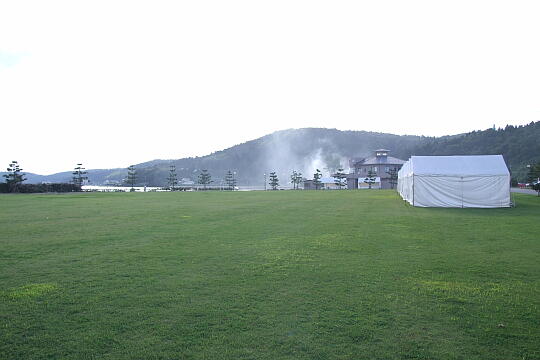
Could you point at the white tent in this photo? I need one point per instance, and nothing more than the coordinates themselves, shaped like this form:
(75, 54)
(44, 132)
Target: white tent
(481, 181)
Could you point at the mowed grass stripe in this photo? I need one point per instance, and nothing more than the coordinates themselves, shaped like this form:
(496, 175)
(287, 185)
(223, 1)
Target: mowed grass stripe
(266, 275)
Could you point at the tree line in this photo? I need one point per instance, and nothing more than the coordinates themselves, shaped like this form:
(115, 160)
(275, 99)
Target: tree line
(204, 179)
(14, 182)
(15, 177)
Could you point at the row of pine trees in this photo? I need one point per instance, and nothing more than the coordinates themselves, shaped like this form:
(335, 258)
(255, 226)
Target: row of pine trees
(15, 177)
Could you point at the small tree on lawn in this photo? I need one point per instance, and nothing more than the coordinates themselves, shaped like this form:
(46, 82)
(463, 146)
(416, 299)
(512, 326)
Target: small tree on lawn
(172, 179)
(296, 179)
(14, 177)
(131, 177)
(340, 178)
(79, 176)
(393, 177)
(317, 179)
(274, 181)
(204, 178)
(370, 178)
(293, 179)
(230, 180)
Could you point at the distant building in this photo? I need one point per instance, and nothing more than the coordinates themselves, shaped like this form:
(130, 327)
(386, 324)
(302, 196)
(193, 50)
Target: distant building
(112, 183)
(327, 183)
(380, 164)
(309, 185)
(186, 181)
(376, 184)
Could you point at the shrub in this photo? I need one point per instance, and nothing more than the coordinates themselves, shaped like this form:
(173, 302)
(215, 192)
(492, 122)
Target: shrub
(42, 188)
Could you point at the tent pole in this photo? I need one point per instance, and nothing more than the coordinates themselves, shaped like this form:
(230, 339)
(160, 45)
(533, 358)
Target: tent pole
(510, 195)
(413, 190)
(462, 192)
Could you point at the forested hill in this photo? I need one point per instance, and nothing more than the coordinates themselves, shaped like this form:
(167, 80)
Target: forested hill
(308, 149)
(520, 146)
(303, 150)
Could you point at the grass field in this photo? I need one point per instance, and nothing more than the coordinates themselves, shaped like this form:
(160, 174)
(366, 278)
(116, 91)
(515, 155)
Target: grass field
(266, 275)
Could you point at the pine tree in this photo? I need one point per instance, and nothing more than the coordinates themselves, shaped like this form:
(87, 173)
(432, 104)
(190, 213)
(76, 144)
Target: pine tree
(340, 178)
(370, 178)
(230, 180)
(79, 176)
(14, 177)
(131, 177)
(296, 179)
(172, 180)
(393, 177)
(317, 179)
(204, 178)
(274, 181)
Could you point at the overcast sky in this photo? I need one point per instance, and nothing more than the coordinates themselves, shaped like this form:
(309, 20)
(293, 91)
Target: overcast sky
(110, 83)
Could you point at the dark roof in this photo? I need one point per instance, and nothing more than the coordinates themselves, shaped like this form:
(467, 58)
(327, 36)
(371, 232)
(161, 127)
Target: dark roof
(382, 160)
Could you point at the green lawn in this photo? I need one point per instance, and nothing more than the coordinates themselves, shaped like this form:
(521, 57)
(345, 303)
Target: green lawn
(266, 275)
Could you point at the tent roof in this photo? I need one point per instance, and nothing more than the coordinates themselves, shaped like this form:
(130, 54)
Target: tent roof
(469, 165)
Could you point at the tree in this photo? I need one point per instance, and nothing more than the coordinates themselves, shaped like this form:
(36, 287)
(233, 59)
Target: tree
(534, 177)
(293, 179)
(340, 178)
(393, 177)
(14, 177)
(230, 180)
(131, 177)
(274, 181)
(534, 173)
(204, 178)
(79, 176)
(317, 179)
(296, 179)
(536, 187)
(172, 180)
(370, 178)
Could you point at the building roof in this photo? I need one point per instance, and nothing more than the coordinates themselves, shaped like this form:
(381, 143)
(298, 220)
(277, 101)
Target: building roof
(328, 180)
(376, 160)
(381, 158)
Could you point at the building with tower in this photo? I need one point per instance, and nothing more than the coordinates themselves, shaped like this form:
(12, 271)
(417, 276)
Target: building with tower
(380, 164)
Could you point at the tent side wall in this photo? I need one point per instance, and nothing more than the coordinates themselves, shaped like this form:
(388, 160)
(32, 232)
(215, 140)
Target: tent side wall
(487, 187)
(487, 192)
(462, 192)
(405, 188)
(405, 185)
